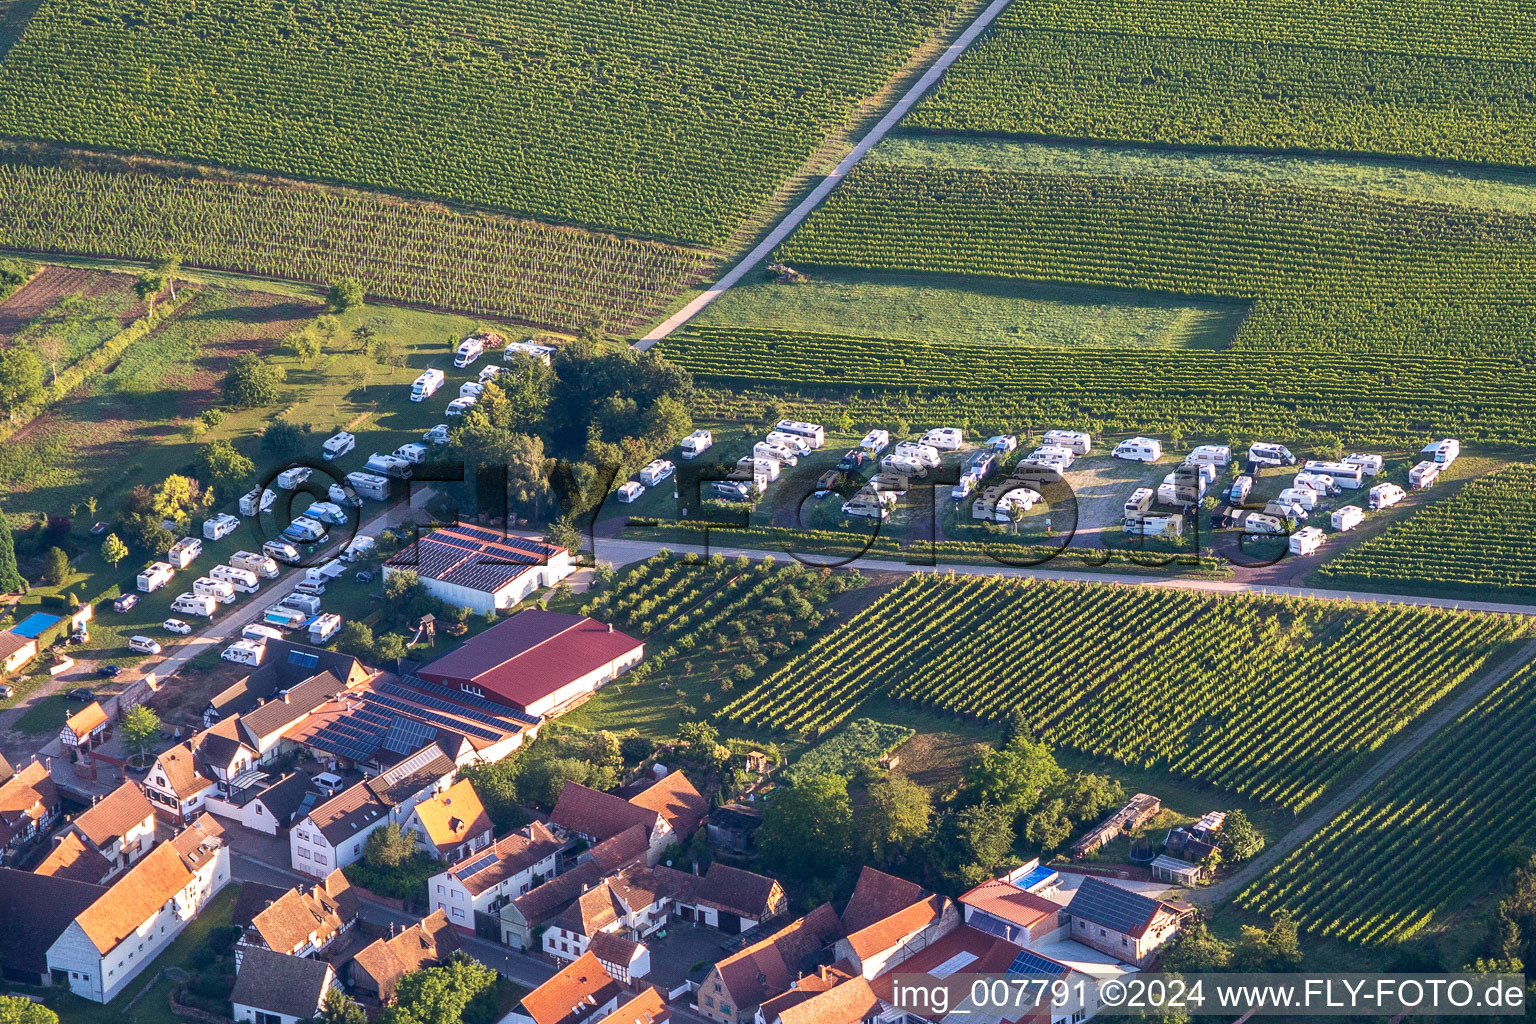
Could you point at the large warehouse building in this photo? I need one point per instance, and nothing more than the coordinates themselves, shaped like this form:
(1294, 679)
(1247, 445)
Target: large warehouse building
(479, 569)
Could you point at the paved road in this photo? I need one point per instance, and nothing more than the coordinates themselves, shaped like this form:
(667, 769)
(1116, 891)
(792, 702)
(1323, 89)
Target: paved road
(827, 184)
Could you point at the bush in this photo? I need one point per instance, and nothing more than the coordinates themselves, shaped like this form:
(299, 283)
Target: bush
(251, 382)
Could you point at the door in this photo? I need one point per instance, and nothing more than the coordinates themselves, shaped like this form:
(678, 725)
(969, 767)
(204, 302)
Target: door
(730, 924)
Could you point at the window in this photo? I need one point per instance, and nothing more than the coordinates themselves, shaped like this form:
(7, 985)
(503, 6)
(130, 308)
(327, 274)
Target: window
(303, 853)
(439, 890)
(1123, 942)
(458, 913)
(709, 1004)
(320, 859)
(357, 848)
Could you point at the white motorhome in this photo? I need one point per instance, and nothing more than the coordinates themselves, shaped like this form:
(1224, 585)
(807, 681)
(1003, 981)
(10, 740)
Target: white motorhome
(427, 385)
(1385, 496)
(1260, 523)
(358, 547)
(1155, 526)
(242, 580)
(458, 407)
(220, 590)
(904, 466)
(630, 492)
(1370, 465)
(1306, 540)
(866, 508)
(696, 444)
(1139, 449)
(1139, 501)
(876, 441)
(155, 575)
(1423, 475)
(335, 569)
(261, 634)
(1079, 442)
(1306, 497)
(1348, 517)
(309, 588)
(1053, 456)
(220, 526)
(1265, 454)
(1322, 483)
(195, 604)
(1021, 498)
(261, 565)
(1003, 442)
(289, 479)
(1347, 475)
(251, 501)
(471, 389)
(926, 454)
(324, 628)
(488, 374)
(184, 552)
(794, 442)
(768, 469)
(388, 465)
(1179, 489)
(542, 353)
(813, 433)
(964, 486)
(337, 445)
(327, 512)
(1219, 455)
(1443, 452)
(245, 652)
(655, 472)
(945, 439)
(469, 350)
(309, 604)
(1240, 489)
(369, 485)
(412, 453)
(778, 452)
(1284, 509)
(282, 551)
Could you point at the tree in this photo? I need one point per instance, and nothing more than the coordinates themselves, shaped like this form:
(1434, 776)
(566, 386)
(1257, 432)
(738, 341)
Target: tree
(222, 463)
(345, 294)
(55, 566)
(340, 1008)
(1016, 776)
(402, 586)
(11, 581)
(388, 351)
(462, 991)
(389, 647)
(981, 836)
(544, 778)
(497, 786)
(807, 828)
(388, 847)
(20, 1010)
(1049, 827)
(140, 730)
(21, 377)
(306, 346)
(564, 533)
(113, 550)
(1088, 796)
(1261, 951)
(355, 638)
(251, 382)
(1196, 950)
(897, 816)
(698, 734)
(1239, 840)
(148, 288)
(282, 441)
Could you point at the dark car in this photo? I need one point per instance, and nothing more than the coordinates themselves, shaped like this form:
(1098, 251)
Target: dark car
(79, 693)
(109, 671)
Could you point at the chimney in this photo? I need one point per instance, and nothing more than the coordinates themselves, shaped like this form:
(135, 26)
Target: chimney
(610, 627)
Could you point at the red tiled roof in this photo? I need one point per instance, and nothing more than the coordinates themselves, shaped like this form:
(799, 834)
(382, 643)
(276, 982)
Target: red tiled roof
(1010, 903)
(72, 859)
(677, 801)
(427, 943)
(624, 848)
(572, 993)
(649, 1007)
(849, 1003)
(115, 814)
(992, 955)
(514, 854)
(613, 948)
(529, 656)
(135, 897)
(592, 812)
(890, 931)
(767, 968)
(877, 896)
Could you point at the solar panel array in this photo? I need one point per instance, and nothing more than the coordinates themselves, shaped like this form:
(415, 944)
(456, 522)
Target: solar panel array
(1111, 906)
(395, 704)
(1033, 963)
(479, 865)
(470, 556)
(460, 703)
(406, 735)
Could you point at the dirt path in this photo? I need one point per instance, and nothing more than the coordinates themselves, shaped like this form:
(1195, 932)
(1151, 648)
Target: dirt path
(1408, 742)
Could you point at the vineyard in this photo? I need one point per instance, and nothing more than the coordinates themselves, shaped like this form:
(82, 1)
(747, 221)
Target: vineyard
(1420, 843)
(1272, 698)
(519, 270)
(1393, 79)
(1483, 538)
(675, 119)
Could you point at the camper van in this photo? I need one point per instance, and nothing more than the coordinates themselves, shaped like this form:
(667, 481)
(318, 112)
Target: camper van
(470, 350)
(195, 604)
(327, 512)
(143, 645)
(1306, 540)
(309, 604)
(358, 547)
(794, 442)
(1240, 489)
(696, 444)
(261, 565)
(853, 460)
(813, 433)
(282, 551)
(1023, 498)
(1322, 483)
(290, 479)
(1003, 443)
(777, 452)
(427, 385)
(1423, 475)
(1155, 526)
(438, 435)
(731, 490)
(1139, 501)
(220, 526)
(1219, 455)
(630, 492)
(1346, 475)
(324, 628)
(244, 652)
(876, 441)
(1370, 465)
(304, 530)
(945, 439)
(261, 634)
(412, 453)
(184, 551)
(1265, 454)
(369, 485)
(1263, 524)
(337, 445)
(1139, 449)
(388, 465)
(1079, 442)
(220, 590)
(656, 472)
(1442, 453)
(866, 508)
(926, 454)
(1385, 496)
(1347, 518)
(458, 407)
(541, 353)
(242, 580)
(308, 588)
(471, 389)
(1306, 497)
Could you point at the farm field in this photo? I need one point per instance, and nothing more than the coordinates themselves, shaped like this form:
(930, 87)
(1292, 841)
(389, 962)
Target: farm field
(63, 313)
(424, 255)
(676, 121)
(1340, 76)
(1208, 687)
(1480, 541)
(1456, 805)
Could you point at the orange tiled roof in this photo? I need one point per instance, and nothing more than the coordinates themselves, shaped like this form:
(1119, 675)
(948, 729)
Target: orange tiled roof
(674, 797)
(572, 993)
(181, 774)
(890, 931)
(29, 795)
(74, 860)
(851, 1002)
(135, 897)
(767, 968)
(877, 896)
(88, 719)
(115, 814)
(1010, 903)
(453, 816)
(649, 1007)
(424, 944)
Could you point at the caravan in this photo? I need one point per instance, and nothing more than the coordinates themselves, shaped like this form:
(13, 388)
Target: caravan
(1385, 496)
(324, 628)
(655, 472)
(427, 385)
(1139, 449)
(696, 444)
(1079, 442)
(813, 433)
(261, 565)
(155, 576)
(1423, 475)
(360, 546)
(542, 353)
(220, 526)
(925, 454)
(220, 590)
(1155, 526)
(337, 445)
(242, 580)
(945, 439)
(1003, 443)
(1370, 465)
(369, 485)
(195, 604)
(290, 479)
(1306, 497)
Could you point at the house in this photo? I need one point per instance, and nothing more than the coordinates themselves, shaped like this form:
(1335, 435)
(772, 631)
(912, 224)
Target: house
(631, 904)
(525, 914)
(284, 666)
(669, 811)
(851, 1001)
(263, 727)
(628, 847)
(175, 783)
(302, 922)
(648, 1007)
(332, 834)
(1120, 922)
(676, 800)
(735, 987)
(888, 919)
(272, 988)
(120, 826)
(479, 569)
(581, 992)
(732, 900)
(1002, 908)
(730, 827)
(71, 857)
(541, 663)
(16, 650)
(29, 804)
(36, 908)
(108, 943)
(378, 967)
(452, 825)
(85, 728)
(506, 870)
(626, 960)
(271, 809)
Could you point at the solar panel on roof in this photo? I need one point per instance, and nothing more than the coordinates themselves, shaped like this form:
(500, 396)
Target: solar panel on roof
(303, 659)
(453, 707)
(479, 865)
(430, 716)
(419, 686)
(1111, 906)
(1033, 963)
(406, 735)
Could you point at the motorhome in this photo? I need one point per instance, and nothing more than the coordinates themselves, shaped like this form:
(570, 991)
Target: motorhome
(335, 569)
(388, 465)
(471, 389)
(155, 575)
(1306, 540)
(1262, 523)
(261, 565)
(876, 441)
(945, 439)
(1013, 497)
(1284, 509)
(542, 353)
(1155, 526)
(427, 385)
(1003, 443)
(755, 472)
(778, 452)
(304, 530)
(1346, 475)
(284, 617)
(337, 445)
(469, 350)
(768, 467)
(794, 442)
(1240, 489)
(1079, 442)
(369, 485)
(244, 652)
(1348, 517)
(1385, 496)
(1306, 497)
(324, 627)
(290, 479)
(358, 547)
(1262, 453)
(964, 486)
(1139, 501)
(1423, 475)
(926, 454)
(630, 492)
(1442, 453)
(242, 580)
(731, 490)
(813, 433)
(458, 407)
(327, 512)
(261, 634)
(195, 604)
(903, 465)
(220, 526)
(655, 472)
(980, 463)
(866, 508)
(1219, 455)
(1139, 449)
(309, 604)
(696, 444)
(412, 453)
(184, 552)
(282, 551)
(1370, 465)
(255, 500)
(488, 374)
(438, 435)
(1181, 488)
(1051, 456)
(896, 483)
(220, 590)
(1322, 483)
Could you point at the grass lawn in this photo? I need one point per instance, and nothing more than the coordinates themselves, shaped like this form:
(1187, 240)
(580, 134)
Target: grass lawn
(949, 309)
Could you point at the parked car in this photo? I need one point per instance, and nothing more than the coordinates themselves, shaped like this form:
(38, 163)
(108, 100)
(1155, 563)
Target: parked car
(7, 692)
(109, 671)
(364, 576)
(81, 692)
(125, 603)
(176, 626)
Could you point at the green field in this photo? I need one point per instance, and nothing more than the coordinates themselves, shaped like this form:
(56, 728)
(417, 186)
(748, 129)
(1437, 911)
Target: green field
(676, 120)
(1451, 79)
(953, 309)
(1481, 541)
(1425, 842)
(1271, 698)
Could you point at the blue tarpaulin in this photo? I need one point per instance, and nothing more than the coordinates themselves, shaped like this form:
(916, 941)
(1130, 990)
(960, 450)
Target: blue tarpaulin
(34, 624)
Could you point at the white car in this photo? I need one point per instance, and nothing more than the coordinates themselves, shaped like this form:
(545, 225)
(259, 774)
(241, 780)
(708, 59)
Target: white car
(176, 626)
(459, 406)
